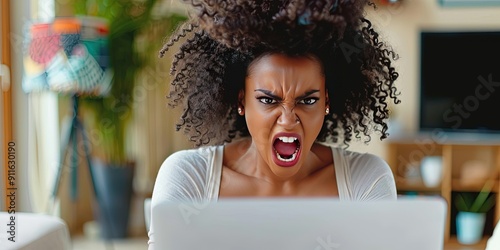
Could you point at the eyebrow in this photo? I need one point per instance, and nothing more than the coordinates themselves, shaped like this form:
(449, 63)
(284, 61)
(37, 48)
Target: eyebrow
(270, 94)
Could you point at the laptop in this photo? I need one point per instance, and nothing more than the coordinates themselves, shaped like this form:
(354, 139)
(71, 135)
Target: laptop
(301, 224)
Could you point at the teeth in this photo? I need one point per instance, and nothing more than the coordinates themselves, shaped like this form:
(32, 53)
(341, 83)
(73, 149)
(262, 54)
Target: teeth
(287, 139)
(294, 155)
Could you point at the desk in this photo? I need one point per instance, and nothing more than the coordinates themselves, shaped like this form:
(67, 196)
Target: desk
(33, 232)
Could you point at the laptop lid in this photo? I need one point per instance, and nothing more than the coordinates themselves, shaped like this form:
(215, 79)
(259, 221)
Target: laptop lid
(300, 224)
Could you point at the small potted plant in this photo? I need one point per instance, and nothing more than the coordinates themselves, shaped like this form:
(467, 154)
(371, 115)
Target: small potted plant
(471, 215)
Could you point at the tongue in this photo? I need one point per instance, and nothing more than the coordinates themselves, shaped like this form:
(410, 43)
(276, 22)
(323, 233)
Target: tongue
(285, 149)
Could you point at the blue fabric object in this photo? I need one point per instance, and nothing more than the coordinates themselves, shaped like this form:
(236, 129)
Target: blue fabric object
(35, 83)
(69, 41)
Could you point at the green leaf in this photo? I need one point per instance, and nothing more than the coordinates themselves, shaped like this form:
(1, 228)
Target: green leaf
(482, 203)
(460, 203)
(483, 195)
(487, 205)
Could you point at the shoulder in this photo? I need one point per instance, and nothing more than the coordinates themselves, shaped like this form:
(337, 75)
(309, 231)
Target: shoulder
(184, 163)
(188, 158)
(183, 175)
(364, 162)
(370, 176)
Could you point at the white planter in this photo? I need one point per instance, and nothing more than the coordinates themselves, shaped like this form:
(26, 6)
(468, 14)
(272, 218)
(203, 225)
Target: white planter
(431, 169)
(470, 227)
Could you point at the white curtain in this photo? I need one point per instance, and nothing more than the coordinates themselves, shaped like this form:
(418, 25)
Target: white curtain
(44, 150)
(43, 131)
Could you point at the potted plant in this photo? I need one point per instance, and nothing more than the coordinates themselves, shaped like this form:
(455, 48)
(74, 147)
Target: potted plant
(471, 215)
(109, 117)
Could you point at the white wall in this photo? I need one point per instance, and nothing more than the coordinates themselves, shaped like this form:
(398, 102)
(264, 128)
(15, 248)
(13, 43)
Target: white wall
(400, 26)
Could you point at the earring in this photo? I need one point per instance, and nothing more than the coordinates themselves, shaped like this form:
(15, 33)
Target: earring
(327, 111)
(240, 111)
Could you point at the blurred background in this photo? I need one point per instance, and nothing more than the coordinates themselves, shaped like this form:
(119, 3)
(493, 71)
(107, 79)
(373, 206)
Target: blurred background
(129, 130)
(88, 112)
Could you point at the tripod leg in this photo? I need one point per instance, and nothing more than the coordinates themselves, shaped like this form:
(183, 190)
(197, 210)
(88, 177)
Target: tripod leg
(71, 137)
(74, 164)
(64, 150)
(86, 147)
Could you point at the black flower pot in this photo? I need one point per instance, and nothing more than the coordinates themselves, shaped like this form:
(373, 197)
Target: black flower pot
(113, 186)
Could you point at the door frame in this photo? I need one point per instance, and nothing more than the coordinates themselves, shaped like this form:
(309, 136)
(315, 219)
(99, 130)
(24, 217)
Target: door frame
(6, 90)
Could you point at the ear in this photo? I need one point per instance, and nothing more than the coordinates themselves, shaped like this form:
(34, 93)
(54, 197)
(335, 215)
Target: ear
(241, 98)
(327, 100)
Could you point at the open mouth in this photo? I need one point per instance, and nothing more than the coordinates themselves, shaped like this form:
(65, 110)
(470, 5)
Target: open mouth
(286, 149)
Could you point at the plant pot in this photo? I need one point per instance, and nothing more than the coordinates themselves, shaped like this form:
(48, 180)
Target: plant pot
(113, 186)
(470, 227)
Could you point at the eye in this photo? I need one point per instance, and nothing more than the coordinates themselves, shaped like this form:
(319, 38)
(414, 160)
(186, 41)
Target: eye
(267, 100)
(308, 101)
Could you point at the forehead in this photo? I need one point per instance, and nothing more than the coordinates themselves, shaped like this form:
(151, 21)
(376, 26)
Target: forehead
(285, 75)
(287, 64)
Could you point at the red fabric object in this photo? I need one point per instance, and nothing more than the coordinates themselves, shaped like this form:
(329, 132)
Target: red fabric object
(44, 44)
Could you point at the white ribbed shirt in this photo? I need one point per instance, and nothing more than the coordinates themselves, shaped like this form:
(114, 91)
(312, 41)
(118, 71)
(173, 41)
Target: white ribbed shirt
(195, 175)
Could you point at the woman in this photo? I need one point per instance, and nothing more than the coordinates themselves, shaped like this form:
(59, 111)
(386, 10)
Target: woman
(265, 85)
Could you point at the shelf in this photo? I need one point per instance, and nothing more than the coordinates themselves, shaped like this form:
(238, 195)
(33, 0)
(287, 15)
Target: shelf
(447, 138)
(457, 185)
(467, 163)
(452, 244)
(403, 184)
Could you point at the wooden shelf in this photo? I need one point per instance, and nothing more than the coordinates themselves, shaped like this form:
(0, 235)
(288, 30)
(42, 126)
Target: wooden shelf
(406, 185)
(453, 244)
(459, 186)
(459, 156)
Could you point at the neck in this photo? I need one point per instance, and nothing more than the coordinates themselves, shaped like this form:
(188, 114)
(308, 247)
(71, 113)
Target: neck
(249, 162)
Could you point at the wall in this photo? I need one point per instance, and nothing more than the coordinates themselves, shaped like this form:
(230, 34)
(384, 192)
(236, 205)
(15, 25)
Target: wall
(400, 26)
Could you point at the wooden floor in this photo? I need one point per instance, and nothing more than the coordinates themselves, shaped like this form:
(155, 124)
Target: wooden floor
(82, 243)
(453, 244)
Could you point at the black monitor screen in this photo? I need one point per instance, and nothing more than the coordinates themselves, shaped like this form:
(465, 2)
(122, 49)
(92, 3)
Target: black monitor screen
(460, 81)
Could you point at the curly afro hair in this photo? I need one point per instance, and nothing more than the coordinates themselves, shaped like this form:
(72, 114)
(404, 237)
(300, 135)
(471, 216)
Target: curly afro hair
(225, 36)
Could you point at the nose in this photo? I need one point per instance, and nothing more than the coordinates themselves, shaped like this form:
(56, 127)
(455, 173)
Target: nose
(288, 119)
